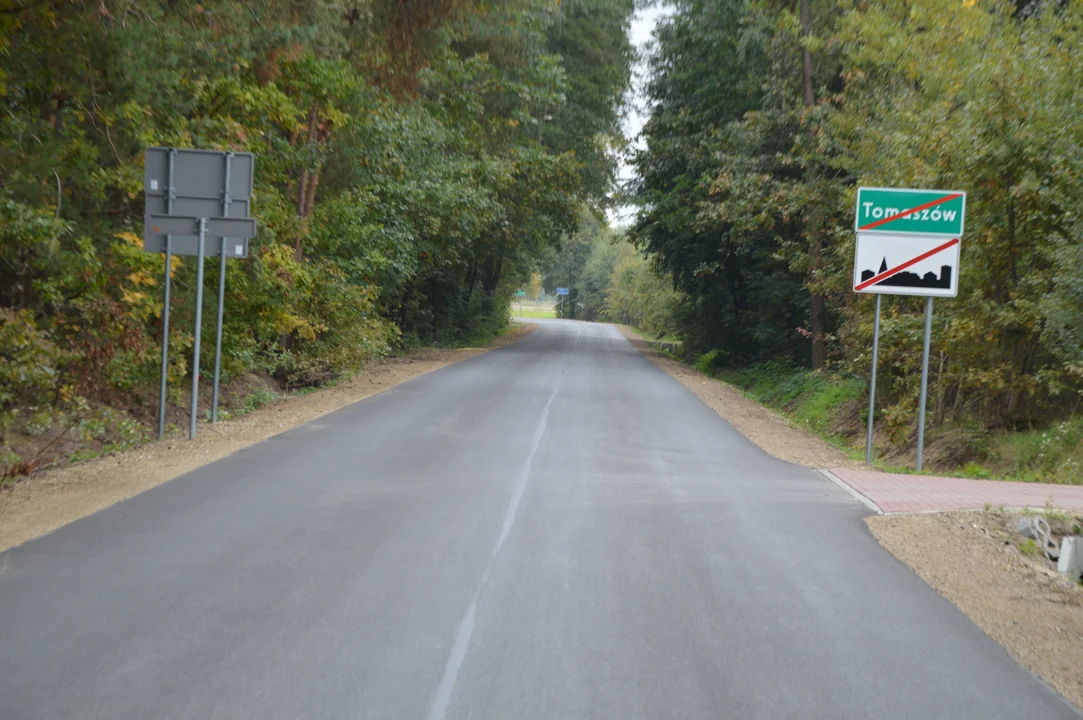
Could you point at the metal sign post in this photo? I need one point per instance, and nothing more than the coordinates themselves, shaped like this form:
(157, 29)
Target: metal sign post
(872, 382)
(227, 200)
(198, 329)
(165, 309)
(908, 243)
(924, 379)
(185, 192)
(561, 292)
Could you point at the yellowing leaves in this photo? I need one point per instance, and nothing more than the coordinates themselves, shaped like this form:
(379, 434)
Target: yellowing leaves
(287, 323)
(66, 393)
(130, 238)
(141, 278)
(132, 298)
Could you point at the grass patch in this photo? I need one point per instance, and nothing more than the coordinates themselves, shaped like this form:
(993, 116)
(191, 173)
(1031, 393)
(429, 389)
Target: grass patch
(534, 312)
(832, 406)
(258, 398)
(814, 401)
(1054, 454)
(1029, 547)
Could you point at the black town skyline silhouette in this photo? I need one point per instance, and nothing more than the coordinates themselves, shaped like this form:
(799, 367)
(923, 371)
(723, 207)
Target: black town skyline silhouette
(909, 279)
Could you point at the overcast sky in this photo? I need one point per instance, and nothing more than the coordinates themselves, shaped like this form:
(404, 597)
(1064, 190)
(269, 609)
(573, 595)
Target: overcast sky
(640, 34)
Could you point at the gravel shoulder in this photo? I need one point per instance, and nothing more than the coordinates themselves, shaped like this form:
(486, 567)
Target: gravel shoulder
(971, 559)
(53, 498)
(771, 431)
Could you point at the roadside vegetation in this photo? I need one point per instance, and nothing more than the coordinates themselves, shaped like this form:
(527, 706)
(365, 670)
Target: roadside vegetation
(762, 127)
(835, 407)
(608, 280)
(416, 162)
(536, 311)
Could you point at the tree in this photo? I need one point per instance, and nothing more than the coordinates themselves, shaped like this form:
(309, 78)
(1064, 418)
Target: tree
(417, 161)
(768, 113)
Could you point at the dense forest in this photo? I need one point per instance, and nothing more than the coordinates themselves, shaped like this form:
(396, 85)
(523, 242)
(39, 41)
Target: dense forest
(765, 118)
(415, 162)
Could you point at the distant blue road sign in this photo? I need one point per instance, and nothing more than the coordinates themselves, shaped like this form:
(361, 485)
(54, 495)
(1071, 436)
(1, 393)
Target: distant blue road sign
(562, 291)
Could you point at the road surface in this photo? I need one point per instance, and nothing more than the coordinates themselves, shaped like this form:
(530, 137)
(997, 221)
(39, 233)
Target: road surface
(555, 529)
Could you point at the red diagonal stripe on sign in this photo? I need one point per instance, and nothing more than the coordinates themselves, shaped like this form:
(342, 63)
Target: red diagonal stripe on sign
(895, 270)
(911, 211)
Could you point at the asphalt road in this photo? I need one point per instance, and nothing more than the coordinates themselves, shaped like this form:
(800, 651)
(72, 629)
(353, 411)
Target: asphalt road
(555, 529)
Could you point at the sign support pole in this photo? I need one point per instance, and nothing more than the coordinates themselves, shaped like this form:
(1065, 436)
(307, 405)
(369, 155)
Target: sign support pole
(199, 326)
(872, 381)
(165, 338)
(924, 379)
(218, 332)
(226, 201)
(165, 310)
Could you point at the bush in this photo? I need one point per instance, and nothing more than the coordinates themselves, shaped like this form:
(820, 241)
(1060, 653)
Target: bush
(28, 364)
(711, 361)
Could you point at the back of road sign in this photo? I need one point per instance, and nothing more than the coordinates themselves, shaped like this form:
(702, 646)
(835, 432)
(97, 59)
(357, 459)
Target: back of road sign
(200, 175)
(200, 186)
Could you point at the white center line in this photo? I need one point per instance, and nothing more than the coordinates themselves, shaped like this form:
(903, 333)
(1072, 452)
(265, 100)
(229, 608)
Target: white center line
(442, 699)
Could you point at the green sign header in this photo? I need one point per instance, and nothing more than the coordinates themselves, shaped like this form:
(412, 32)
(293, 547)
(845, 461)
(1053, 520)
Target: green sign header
(910, 212)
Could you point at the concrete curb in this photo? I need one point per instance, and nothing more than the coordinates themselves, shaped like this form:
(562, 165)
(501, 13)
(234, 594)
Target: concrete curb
(832, 478)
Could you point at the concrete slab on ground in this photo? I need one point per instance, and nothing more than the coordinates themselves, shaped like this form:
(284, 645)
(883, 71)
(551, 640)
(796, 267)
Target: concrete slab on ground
(894, 493)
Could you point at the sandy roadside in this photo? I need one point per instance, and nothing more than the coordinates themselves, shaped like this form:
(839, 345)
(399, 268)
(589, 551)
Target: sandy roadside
(1035, 614)
(970, 559)
(53, 498)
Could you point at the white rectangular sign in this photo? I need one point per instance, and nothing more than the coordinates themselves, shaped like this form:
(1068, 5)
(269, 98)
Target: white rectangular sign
(894, 264)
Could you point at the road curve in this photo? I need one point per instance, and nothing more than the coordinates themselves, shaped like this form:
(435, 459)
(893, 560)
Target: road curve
(555, 529)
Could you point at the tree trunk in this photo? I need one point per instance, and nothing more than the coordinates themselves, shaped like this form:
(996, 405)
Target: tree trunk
(306, 186)
(817, 320)
(941, 391)
(310, 198)
(818, 309)
(807, 93)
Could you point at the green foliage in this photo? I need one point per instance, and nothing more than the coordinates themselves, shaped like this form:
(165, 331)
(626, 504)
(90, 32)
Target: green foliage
(29, 364)
(258, 398)
(976, 470)
(1028, 547)
(746, 192)
(415, 161)
(535, 313)
(608, 280)
(710, 362)
(814, 400)
(1053, 454)
(639, 296)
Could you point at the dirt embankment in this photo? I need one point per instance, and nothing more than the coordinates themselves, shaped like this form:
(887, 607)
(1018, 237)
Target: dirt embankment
(51, 499)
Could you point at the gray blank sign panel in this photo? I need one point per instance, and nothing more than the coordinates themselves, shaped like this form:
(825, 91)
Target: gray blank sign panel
(199, 174)
(184, 232)
(199, 185)
(235, 248)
